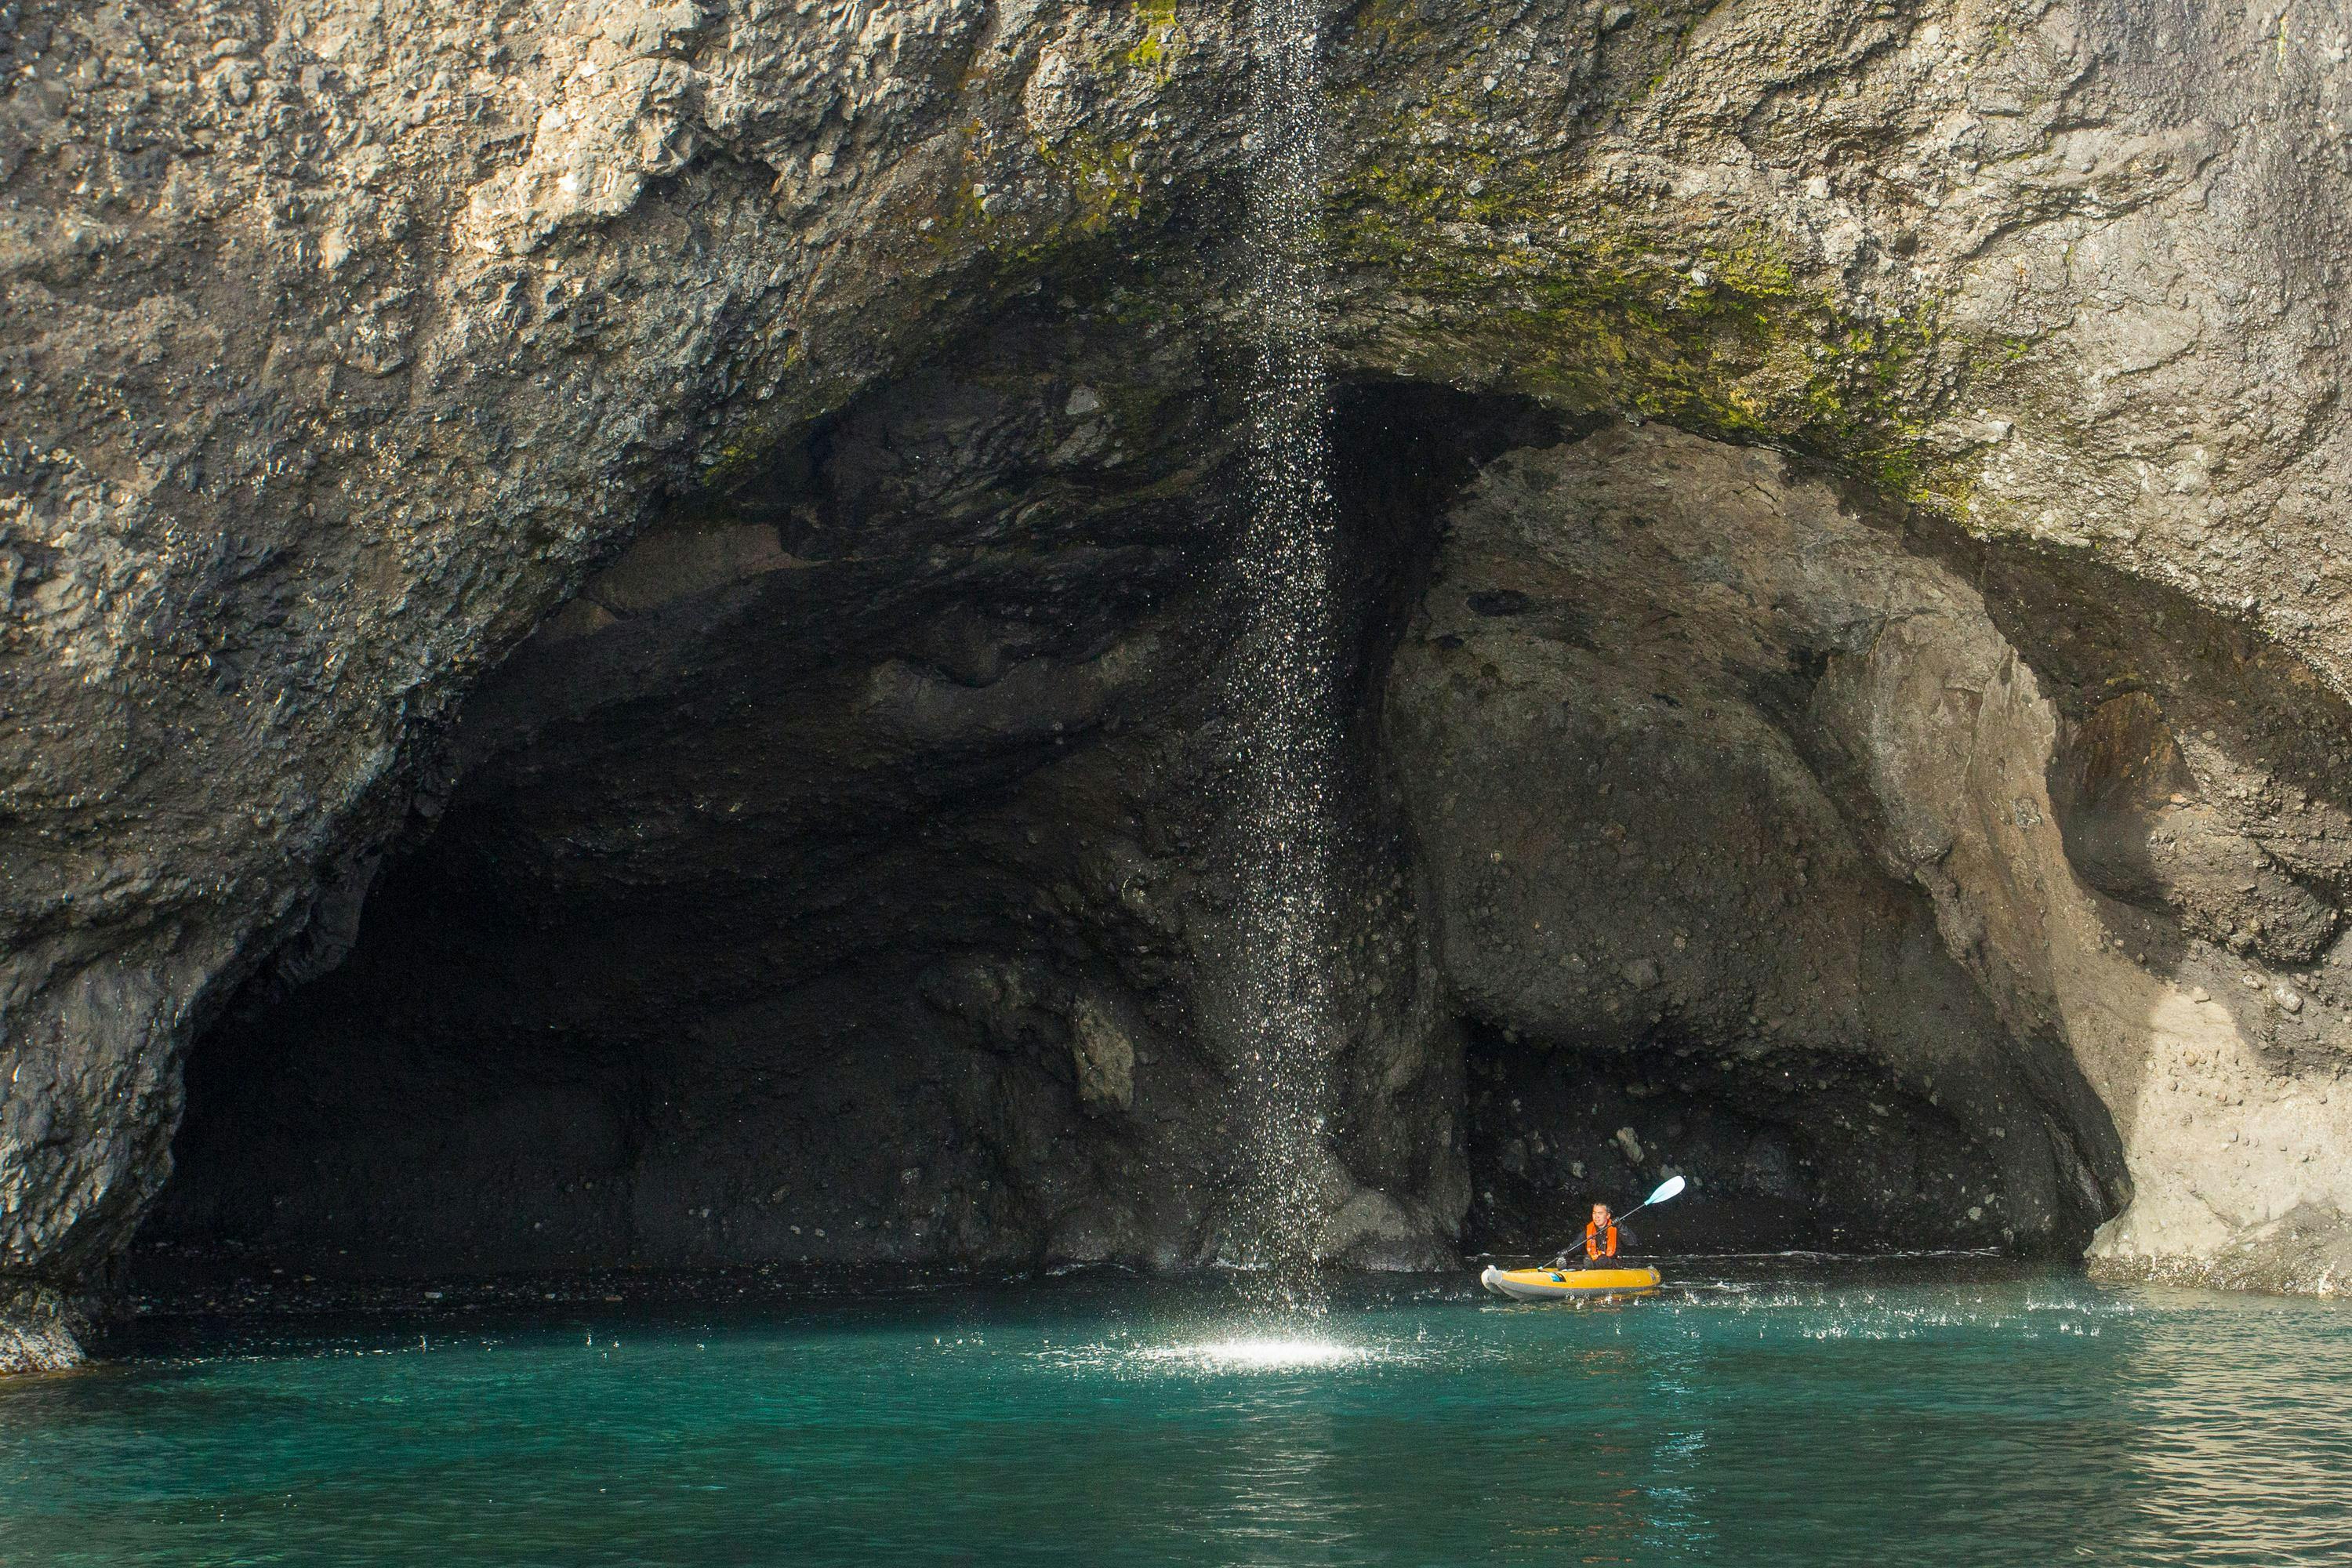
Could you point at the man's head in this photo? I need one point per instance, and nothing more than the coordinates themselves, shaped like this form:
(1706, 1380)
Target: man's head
(1601, 1215)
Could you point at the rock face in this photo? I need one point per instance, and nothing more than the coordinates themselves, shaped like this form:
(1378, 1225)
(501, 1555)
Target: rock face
(346, 344)
(1683, 732)
(1792, 837)
(39, 1331)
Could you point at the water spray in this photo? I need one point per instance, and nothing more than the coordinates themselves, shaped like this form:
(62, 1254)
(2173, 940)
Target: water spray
(1284, 689)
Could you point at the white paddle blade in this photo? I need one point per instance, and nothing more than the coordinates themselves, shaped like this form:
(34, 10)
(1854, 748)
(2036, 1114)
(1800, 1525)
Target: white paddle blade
(1672, 1187)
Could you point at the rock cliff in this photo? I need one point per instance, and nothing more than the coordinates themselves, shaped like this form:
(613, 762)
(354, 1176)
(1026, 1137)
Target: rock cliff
(605, 568)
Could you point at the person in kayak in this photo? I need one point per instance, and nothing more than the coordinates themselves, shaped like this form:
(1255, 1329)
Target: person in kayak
(1603, 1236)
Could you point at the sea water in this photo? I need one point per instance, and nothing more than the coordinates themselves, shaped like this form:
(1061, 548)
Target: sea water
(1801, 1411)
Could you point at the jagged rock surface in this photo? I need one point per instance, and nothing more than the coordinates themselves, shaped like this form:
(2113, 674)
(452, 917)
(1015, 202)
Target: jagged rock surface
(343, 343)
(40, 1331)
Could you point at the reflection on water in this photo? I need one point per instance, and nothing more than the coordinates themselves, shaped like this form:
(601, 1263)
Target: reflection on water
(1239, 1352)
(1280, 1486)
(1799, 1413)
(1262, 1355)
(2233, 1446)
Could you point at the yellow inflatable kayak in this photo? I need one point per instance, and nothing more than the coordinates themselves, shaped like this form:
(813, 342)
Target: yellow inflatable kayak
(1570, 1284)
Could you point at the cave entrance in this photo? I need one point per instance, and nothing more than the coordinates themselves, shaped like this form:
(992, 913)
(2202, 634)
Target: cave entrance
(829, 880)
(834, 879)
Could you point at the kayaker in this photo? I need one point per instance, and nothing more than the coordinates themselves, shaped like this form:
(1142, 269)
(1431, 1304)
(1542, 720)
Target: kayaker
(1603, 1236)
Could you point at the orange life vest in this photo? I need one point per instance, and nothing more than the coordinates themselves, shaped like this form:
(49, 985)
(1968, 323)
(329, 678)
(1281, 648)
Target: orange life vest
(1597, 1245)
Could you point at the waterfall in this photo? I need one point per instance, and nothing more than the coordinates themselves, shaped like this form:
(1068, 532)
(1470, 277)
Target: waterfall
(1284, 691)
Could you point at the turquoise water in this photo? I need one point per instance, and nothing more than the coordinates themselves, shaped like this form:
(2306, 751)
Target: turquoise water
(1813, 1414)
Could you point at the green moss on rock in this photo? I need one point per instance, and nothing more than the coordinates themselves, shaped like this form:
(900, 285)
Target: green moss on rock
(1722, 337)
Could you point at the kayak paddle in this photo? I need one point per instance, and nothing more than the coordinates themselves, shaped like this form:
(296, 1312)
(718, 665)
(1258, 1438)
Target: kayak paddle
(1671, 1188)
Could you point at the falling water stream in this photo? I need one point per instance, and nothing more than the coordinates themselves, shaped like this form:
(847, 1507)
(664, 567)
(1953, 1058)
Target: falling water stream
(1284, 691)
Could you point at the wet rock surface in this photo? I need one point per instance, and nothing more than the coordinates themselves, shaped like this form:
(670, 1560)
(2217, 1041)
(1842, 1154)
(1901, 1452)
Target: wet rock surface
(40, 1331)
(345, 345)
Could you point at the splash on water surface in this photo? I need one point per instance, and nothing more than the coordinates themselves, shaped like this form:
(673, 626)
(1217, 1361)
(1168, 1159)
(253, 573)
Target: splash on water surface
(1242, 1354)
(1263, 1354)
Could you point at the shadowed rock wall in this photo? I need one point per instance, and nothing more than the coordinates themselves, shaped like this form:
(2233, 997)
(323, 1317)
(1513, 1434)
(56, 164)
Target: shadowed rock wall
(832, 880)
